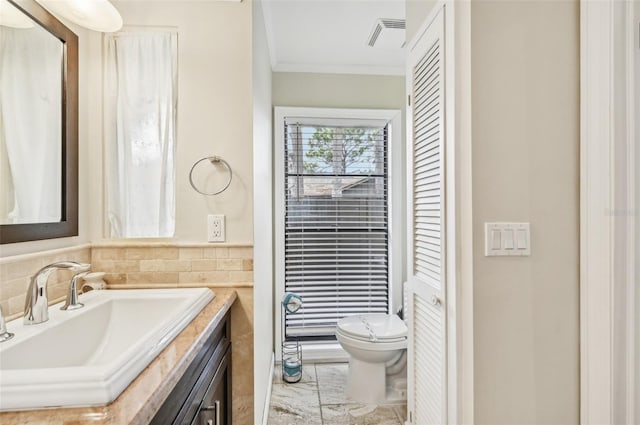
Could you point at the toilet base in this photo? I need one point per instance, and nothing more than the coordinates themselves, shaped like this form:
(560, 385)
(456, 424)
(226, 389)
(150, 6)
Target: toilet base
(366, 382)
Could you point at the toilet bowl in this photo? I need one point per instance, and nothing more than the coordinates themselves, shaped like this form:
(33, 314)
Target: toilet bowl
(375, 343)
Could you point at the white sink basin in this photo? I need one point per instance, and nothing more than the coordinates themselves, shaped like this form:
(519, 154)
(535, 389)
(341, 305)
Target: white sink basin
(89, 356)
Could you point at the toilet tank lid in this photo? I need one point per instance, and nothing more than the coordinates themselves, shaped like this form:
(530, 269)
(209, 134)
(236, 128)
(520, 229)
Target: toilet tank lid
(373, 326)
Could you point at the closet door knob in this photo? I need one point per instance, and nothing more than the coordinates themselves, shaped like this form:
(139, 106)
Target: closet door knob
(435, 301)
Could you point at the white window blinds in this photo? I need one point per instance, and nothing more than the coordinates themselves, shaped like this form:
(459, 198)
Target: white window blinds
(336, 222)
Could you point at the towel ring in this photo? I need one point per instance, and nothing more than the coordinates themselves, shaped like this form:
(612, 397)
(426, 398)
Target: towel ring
(212, 160)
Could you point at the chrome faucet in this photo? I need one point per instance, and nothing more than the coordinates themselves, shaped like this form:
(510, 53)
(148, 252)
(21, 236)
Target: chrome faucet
(72, 303)
(36, 308)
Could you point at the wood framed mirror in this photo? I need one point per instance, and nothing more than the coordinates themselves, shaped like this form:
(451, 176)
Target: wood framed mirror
(38, 144)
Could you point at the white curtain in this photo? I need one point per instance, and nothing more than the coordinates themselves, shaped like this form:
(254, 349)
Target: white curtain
(30, 125)
(140, 127)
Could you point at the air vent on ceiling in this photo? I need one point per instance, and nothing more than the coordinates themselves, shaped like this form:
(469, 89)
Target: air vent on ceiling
(387, 33)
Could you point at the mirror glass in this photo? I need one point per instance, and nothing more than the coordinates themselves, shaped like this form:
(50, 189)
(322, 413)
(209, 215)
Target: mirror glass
(38, 124)
(30, 121)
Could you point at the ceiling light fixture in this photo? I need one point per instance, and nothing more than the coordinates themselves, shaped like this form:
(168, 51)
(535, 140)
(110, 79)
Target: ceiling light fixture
(97, 15)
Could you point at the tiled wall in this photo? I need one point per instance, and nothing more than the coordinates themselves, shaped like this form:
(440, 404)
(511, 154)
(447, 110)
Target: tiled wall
(139, 265)
(16, 272)
(132, 265)
(178, 265)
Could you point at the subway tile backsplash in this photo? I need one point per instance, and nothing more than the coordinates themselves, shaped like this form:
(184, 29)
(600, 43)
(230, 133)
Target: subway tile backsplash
(131, 265)
(175, 265)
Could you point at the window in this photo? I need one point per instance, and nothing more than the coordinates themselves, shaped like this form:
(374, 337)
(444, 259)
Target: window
(140, 127)
(336, 221)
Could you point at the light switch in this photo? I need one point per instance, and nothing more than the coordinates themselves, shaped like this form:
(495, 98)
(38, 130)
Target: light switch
(507, 239)
(521, 239)
(496, 239)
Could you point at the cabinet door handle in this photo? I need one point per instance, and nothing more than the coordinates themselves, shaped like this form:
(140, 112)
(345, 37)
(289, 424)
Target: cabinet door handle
(216, 408)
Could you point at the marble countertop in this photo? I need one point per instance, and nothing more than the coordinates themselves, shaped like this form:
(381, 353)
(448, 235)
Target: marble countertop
(144, 396)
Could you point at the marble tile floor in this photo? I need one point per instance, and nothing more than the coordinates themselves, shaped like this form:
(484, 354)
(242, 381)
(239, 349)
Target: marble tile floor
(320, 399)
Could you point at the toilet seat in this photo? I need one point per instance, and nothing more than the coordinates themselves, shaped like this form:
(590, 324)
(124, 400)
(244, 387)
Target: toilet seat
(365, 344)
(378, 328)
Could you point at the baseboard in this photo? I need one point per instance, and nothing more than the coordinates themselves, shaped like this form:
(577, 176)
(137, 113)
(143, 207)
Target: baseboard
(267, 401)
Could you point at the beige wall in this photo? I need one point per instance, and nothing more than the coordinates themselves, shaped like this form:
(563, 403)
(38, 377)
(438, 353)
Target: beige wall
(525, 91)
(338, 90)
(525, 138)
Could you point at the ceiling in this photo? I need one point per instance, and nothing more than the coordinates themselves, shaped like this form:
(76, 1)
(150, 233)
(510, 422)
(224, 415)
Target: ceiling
(330, 36)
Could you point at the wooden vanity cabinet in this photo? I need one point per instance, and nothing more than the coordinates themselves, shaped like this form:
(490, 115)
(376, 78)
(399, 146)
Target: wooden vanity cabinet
(203, 394)
(215, 408)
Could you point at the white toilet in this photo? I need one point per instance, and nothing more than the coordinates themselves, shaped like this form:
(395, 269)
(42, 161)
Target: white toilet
(376, 344)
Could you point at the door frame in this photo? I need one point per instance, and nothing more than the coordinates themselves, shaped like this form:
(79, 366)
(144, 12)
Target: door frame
(458, 198)
(608, 36)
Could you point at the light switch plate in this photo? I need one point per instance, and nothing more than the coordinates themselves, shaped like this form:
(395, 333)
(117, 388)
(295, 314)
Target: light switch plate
(507, 239)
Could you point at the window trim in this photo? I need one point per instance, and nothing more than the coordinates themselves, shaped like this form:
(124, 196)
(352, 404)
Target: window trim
(395, 205)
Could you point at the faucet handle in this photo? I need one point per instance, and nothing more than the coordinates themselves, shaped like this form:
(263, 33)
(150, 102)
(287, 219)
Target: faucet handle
(81, 267)
(4, 335)
(72, 303)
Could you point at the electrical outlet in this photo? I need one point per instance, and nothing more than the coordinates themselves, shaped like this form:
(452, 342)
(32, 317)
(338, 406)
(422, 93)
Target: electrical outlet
(215, 228)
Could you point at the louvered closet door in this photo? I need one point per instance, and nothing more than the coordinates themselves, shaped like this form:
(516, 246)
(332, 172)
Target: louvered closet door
(426, 283)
